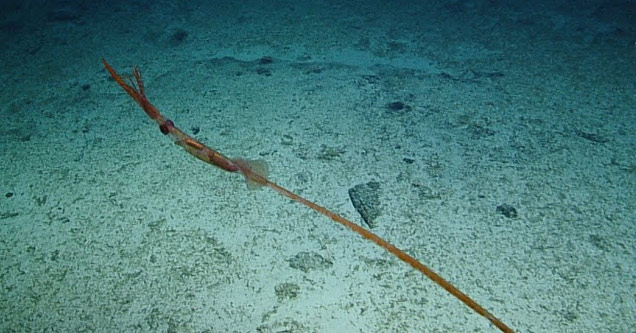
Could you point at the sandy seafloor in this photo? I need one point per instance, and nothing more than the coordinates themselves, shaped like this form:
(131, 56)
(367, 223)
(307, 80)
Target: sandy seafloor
(106, 226)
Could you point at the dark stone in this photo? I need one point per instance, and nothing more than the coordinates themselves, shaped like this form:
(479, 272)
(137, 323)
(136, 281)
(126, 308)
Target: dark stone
(408, 160)
(507, 211)
(266, 60)
(9, 194)
(591, 136)
(366, 200)
(396, 106)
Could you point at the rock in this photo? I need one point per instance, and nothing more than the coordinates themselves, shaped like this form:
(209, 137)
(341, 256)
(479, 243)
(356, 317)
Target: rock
(507, 211)
(366, 200)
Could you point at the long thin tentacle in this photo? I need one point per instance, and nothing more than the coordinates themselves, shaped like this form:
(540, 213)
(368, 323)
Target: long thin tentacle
(137, 94)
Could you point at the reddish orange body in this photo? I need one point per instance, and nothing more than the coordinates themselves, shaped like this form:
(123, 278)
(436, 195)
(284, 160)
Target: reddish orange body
(256, 176)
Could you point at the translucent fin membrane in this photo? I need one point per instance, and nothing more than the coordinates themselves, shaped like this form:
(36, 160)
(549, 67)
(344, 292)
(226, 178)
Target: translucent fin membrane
(255, 172)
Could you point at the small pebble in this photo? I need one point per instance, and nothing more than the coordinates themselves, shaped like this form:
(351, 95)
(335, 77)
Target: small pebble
(507, 211)
(396, 106)
(266, 60)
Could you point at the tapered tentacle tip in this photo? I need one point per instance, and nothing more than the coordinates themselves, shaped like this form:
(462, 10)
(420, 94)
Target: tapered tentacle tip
(106, 64)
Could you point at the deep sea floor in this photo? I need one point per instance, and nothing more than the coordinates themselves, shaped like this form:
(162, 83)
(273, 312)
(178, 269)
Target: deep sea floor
(501, 136)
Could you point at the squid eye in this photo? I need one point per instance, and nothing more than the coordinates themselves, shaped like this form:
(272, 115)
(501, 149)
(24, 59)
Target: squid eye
(166, 126)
